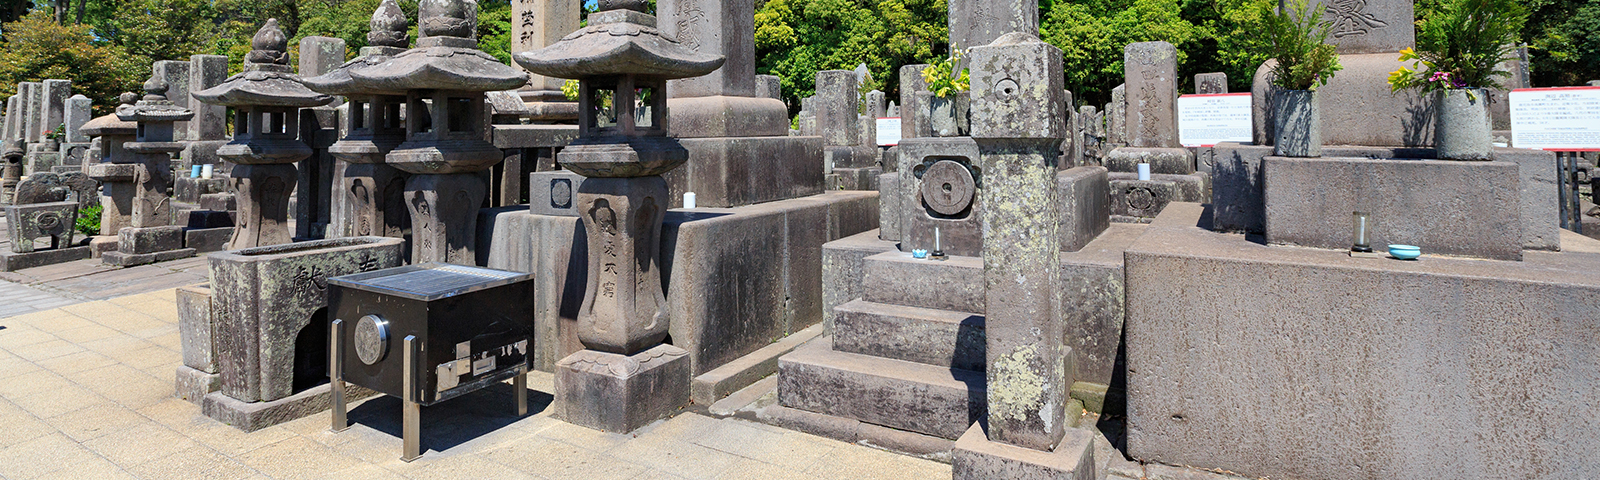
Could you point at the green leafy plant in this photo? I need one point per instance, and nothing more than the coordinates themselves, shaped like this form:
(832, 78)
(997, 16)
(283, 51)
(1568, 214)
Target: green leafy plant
(570, 89)
(942, 78)
(1297, 38)
(89, 220)
(1461, 45)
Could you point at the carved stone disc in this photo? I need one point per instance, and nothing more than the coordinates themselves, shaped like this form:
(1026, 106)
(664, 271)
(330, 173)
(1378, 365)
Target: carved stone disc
(371, 339)
(948, 187)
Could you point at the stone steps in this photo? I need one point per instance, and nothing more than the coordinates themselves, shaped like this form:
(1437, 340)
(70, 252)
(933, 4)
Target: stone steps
(936, 401)
(941, 338)
(894, 278)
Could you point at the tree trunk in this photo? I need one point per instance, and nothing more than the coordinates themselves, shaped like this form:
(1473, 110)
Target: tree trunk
(81, 4)
(61, 11)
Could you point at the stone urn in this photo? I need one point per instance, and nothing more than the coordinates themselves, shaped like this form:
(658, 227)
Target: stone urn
(1461, 127)
(948, 114)
(1297, 117)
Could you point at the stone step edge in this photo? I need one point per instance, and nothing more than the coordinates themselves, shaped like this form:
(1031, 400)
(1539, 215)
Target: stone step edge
(905, 313)
(744, 371)
(819, 354)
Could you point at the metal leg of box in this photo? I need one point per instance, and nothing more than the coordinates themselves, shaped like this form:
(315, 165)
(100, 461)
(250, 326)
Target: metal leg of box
(336, 377)
(410, 410)
(520, 384)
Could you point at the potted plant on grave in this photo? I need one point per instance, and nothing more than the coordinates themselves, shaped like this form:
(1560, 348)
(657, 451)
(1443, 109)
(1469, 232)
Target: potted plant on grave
(53, 137)
(949, 88)
(1456, 59)
(1297, 40)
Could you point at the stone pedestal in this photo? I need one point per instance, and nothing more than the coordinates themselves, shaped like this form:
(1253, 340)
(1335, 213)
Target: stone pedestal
(444, 216)
(263, 217)
(370, 201)
(977, 456)
(146, 245)
(624, 305)
(1162, 160)
(732, 172)
(620, 393)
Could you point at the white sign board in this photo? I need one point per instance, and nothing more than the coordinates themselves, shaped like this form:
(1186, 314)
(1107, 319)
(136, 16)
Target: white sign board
(1563, 118)
(888, 131)
(1206, 120)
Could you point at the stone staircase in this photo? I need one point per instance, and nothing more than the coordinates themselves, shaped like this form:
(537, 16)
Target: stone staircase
(909, 355)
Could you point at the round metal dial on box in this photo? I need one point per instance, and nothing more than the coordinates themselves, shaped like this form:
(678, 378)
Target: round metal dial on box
(474, 325)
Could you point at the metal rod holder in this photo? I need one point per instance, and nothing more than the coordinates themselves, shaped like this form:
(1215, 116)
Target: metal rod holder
(520, 384)
(410, 410)
(336, 377)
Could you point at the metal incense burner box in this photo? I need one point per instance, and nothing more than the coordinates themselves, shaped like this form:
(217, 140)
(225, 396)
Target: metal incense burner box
(428, 333)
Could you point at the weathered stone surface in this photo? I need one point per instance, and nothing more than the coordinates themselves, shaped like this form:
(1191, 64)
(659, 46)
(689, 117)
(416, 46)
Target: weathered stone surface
(624, 307)
(174, 74)
(732, 172)
(1368, 26)
(1093, 302)
(941, 338)
(28, 222)
(271, 309)
(554, 193)
(896, 278)
(196, 329)
(54, 104)
(444, 215)
(844, 270)
(33, 111)
(914, 103)
(1540, 202)
(974, 456)
(938, 401)
(119, 259)
(193, 385)
(713, 27)
(620, 393)
(1210, 83)
(1450, 340)
(727, 116)
(836, 106)
(1117, 117)
(717, 388)
(769, 86)
(1085, 209)
(1016, 121)
(1175, 160)
(141, 240)
(12, 261)
(533, 136)
(210, 122)
(891, 212)
(959, 228)
(1151, 73)
(263, 219)
(1358, 107)
(206, 240)
(253, 416)
(371, 202)
(1140, 198)
(1186, 188)
(77, 113)
(975, 23)
(189, 189)
(219, 202)
(536, 24)
(1469, 208)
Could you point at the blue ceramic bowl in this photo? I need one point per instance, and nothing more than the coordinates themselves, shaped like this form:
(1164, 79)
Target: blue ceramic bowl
(919, 253)
(1405, 252)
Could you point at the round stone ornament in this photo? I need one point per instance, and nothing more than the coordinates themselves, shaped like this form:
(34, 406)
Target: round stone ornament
(371, 339)
(948, 187)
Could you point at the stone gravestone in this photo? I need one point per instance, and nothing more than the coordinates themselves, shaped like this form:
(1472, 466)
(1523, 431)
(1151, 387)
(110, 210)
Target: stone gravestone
(1210, 83)
(1116, 113)
(876, 107)
(55, 103)
(1151, 69)
(319, 129)
(769, 86)
(914, 103)
(78, 113)
(32, 94)
(836, 106)
(175, 74)
(41, 187)
(977, 22)
(1368, 26)
(535, 24)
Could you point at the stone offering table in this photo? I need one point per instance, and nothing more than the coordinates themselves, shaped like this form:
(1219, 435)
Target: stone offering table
(29, 222)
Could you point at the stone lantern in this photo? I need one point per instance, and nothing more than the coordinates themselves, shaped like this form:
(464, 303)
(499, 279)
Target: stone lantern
(626, 378)
(266, 100)
(150, 235)
(116, 168)
(446, 148)
(370, 196)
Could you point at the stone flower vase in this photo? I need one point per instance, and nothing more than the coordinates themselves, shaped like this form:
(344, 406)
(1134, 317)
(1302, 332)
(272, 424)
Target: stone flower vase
(943, 116)
(1461, 129)
(1298, 123)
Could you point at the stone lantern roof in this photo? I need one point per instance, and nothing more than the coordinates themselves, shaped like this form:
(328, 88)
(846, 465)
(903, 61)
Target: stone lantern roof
(619, 41)
(386, 38)
(154, 107)
(266, 80)
(110, 124)
(446, 58)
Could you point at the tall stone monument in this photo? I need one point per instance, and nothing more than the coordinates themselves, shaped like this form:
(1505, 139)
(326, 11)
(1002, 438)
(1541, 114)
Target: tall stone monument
(369, 195)
(266, 99)
(625, 377)
(445, 148)
(851, 160)
(534, 25)
(738, 138)
(319, 129)
(207, 133)
(1149, 127)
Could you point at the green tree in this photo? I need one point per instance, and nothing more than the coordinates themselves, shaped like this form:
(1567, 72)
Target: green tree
(795, 39)
(37, 48)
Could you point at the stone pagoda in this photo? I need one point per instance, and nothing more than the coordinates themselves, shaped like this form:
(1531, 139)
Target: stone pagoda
(625, 377)
(266, 99)
(117, 170)
(369, 195)
(446, 148)
(150, 235)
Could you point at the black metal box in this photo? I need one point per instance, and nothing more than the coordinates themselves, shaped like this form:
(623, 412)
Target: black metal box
(470, 327)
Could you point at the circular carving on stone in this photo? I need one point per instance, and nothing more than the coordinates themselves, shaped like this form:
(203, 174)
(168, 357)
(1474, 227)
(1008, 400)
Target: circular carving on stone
(561, 193)
(371, 339)
(947, 187)
(1007, 88)
(47, 221)
(1141, 198)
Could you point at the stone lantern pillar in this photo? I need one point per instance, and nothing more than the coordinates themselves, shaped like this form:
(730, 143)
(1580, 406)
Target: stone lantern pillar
(369, 195)
(446, 148)
(150, 235)
(626, 377)
(116, 169)
(266, 99)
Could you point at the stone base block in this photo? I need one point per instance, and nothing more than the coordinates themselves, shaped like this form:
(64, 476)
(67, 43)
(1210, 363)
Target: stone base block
(954, 284)
(850, 430)
(738, 171)
(1430, 361)
(620, 393)
(1140, 198)
(207, 240)
(1467, 209)
(220, 202)
(727, 116)
(1192, 188)
(252, 416)
(937, 401)
(553, 193)
(11, 261)
(891, 216)
(135, 259)
(976, 457)
(1176, 161)
(139, 240)
(860, 156)
(1357, 107)
(533, 136)
(193, 385)
(196, 328)
(201, 152)
(844, 268)
(941, 338)
(1085, 194)
(854, 178)
(722, 381)
(100, 244)
(189, 189)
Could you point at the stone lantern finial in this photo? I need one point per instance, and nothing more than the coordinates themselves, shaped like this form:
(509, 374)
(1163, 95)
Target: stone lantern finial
(269, 45)
(155, 89)
(388, 26)
(447, 18)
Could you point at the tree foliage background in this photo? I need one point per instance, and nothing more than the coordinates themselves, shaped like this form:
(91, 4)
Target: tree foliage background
(106, 46)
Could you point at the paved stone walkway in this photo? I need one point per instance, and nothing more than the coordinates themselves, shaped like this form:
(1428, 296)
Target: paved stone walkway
(17, 299)
(86, 392)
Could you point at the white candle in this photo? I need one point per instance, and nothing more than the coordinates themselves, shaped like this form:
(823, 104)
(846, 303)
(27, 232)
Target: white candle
(936, 245)
(688, 199)
(1144, 172)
